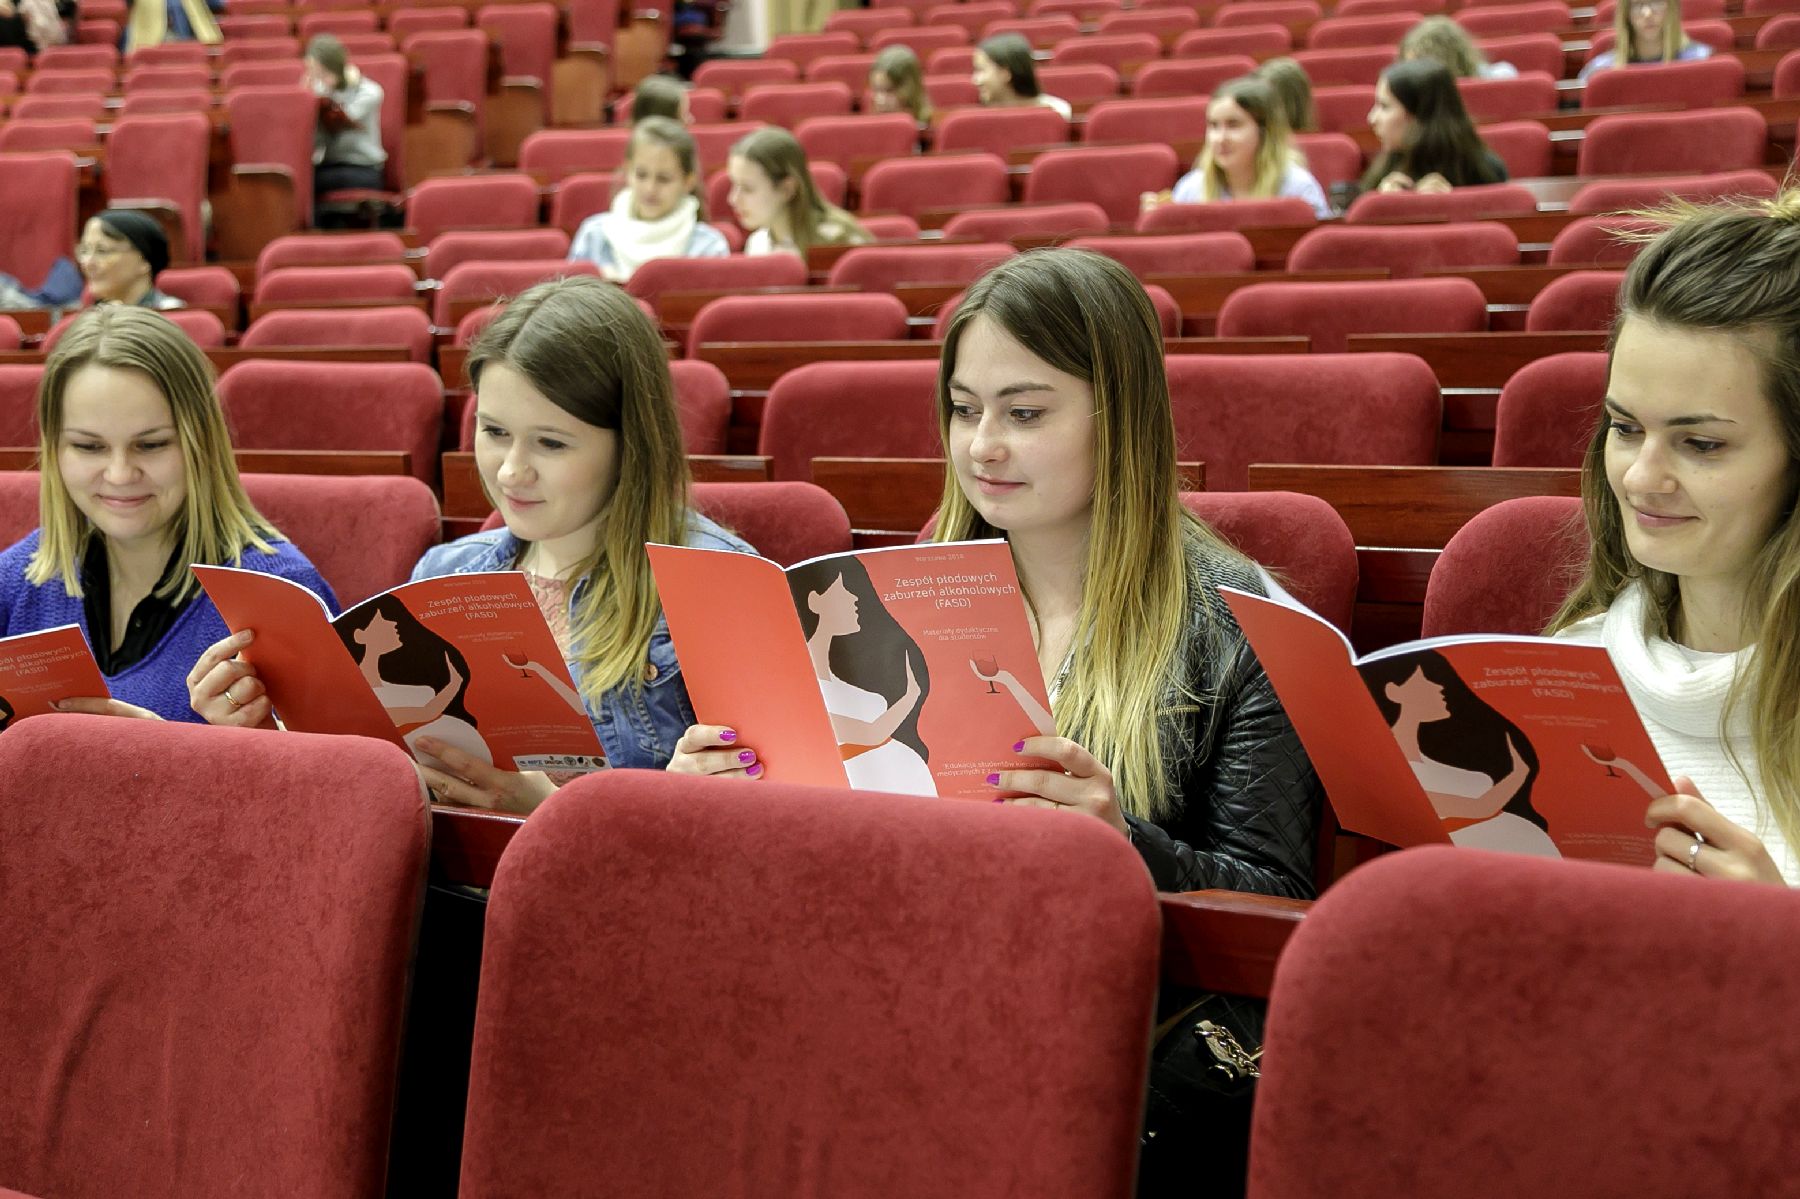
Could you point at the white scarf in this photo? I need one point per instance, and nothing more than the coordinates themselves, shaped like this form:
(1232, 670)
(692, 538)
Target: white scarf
(636, 242)
(1667, 684)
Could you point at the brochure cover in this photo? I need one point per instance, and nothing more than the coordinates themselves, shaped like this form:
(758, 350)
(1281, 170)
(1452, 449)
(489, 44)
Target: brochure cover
(39, 669)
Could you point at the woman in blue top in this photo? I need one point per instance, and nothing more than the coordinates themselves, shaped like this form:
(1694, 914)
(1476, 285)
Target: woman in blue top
(1647, 31)
(579, 447)
(138, 485)
(1249, 152)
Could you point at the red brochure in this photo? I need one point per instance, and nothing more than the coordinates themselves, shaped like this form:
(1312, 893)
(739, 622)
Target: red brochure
(38, 669)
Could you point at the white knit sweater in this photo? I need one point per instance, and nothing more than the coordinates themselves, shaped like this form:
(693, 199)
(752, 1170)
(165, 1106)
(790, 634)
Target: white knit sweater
(1680, 695)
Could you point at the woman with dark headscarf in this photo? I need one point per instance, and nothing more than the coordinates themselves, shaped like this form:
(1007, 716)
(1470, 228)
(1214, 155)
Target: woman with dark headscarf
(120, 255)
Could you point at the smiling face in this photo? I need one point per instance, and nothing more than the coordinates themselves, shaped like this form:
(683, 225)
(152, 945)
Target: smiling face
(1021, 435)
(550, 474)
(883, 95)
(1419, 698)
(1232, 137)
(1388, 119)
(119, 456)
(992, 81)
(756, 200)
(836, 609)
(1646, 17)
(657, 181)
(1695, 454)
(113, 268)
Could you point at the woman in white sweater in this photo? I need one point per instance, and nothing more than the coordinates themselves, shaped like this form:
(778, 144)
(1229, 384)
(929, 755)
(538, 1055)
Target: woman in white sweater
(1693, 581)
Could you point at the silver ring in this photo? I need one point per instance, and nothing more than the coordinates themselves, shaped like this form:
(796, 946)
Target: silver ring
(1694, 853)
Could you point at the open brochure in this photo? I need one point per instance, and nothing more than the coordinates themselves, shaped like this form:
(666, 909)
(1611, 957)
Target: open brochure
(909, 669)
(37, 670)
(1525, 744)
(464, 658)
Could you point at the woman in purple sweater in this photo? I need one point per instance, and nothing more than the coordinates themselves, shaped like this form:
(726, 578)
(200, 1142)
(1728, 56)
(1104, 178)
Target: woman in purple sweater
(137, 485)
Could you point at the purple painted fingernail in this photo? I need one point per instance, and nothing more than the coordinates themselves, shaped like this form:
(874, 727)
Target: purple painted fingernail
(728, 735)
(993, 780)
(755, 770)
(747, 755)
(999, 799)
(1019, 747)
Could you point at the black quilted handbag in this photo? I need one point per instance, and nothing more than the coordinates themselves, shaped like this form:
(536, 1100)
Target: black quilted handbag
(1204, 1064)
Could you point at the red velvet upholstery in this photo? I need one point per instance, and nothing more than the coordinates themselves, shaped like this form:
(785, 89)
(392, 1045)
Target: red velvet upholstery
(1344, 108)
(455, 62)
(207, 943)
(889, 226)
(1176, 253)
(1027, 220)
(1590, 241)
(76, 58)
(1546, 16)
(492, 279)
(661, 275)
(1716, 139)
(579, 197)
(263, 74)
(365, 533)
(1382, 30)
(1580, 300)
(850, 410)
(1548, 410)
(865, 22)
(887, 997)
(10, 333)
(1114, 177)
(1702, 83)
(1264, 38)
(329, 249)
(1618, 195)
(163, 158)
(60, 133)
(35, 235)
(390, 282)
(715, 141)
(912, 185)
(1405, 250)
(1354, 64)
(998, 130)
(207, 286)
(473, 201)
(272, 126)
(1300, 539)
(1508, 569)
(273, 405)
(1329, 312)
(732, 76)
(1236, 214)
(1255, 12)
(785, 522)
(449, 249)
(1082, 83)
(843, 140)
(1235, 409)
(1041, 32)
(1191, 76)
(427, 18)
(851, 70)
(1166, 119)
(67, 82)
(158, 103)
(787, 104)
(50, 106)
(1453, 1022)
(1524, 146)
(405, 327)
(1168, 312)
(970, 17)
(831, 317)
(1115, 50)
(1781, 32)
(1331, 157)
(1529, 94)
(1787, 76)
(802, 48)
(558, 152)
(1462, 204)
(201, 326)
(1161, 23)
(526, 35)
(18, 405)
(253, 49)
(169, 54)
(882, 268)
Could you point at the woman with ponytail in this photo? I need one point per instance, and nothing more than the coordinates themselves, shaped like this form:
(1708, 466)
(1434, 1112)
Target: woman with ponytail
(1693, 579)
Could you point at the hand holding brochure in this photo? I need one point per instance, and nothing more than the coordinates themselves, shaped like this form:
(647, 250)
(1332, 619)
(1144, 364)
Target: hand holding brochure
(909, 669)
(37, 670)
(466, 659)
(1525, 744)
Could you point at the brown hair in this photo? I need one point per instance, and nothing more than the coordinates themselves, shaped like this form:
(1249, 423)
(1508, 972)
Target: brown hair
(811, 221)
(901, 66)
(326, 50)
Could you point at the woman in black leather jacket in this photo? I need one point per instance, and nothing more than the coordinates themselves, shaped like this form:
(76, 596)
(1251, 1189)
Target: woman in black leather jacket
(1055, 414)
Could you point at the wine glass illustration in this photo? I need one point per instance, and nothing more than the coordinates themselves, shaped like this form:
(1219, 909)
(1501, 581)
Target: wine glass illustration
(988, 666)
(1604, 755)
(519, 662)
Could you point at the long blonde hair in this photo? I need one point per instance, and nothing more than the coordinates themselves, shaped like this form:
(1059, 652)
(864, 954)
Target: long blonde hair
(810, 219)
(1731, 269)
(1085, 315)
(587, 348)
(1274, 147)
(1674, 37)
(216, 523)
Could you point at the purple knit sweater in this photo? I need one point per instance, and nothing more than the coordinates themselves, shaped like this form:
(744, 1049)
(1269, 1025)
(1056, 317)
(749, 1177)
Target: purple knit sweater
(158, 681)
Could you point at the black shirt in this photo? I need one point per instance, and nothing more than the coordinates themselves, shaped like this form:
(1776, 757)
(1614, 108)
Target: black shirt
(150, 620)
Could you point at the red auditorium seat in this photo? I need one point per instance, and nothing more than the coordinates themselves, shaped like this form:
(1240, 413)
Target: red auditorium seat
(1160, 23)
(1232, 410)
(864, 23)
(1548, 411)
(54, 107)
(1577, 301)
(330, 249)
(1703, 83)
(472, 201)
(201, 326)
(1176, 253)
(843, 140)
(732, 76)
(1405, 250)
(1331, 157)
(1462, 204)
(949, 92)
(702, 401)
(486, 280)
(1508, 20)
(1264, 39)
(1256, 12)
(887, 227)
(455, 62)
(340, 23)
(272, 127)
(1235, 214)
(787, 104)
(565, 1040)
(1336, 33)
(76, 58)
(1524, 146)
(737, 273)
(256, 49)
(1330, 312)
(830, 178)
(1166, 120)
(911, 186)
(405, 327)
(363, 532)
(870, 316)
(70, 82)
(257, 25)
(274, 405)
(1353, 64)
(579, 197)
(18, 404)
(1000, 130)
(393, 72)
(1780, 32)
(1509, 569)
(851, 70)
(262, 74)
(425, 18)
(560, 152)
(161, 103)
(1114, 177)
(215, 993)
(922, 41)
(850, 410)
(784, 522)
(1597, 241)
(526, 35)
(169, 54)
(1787, 76)
(205, 286)
(1618, 195)
(1717, 139)
(1082, 83)
(1115, 50)
(1041, 32)
(167, 79)
(64, 133)
(802, 48)
(883, 268)
(1529, 94)
(715, 141)
(449, 249)
(1168, 312)
(1192, 76)
(1300, 539)
(1027, 220)
(163, 158)
(1531, 53)
(1343, 108)
(11, 336)
(971, 17)
(366, 284)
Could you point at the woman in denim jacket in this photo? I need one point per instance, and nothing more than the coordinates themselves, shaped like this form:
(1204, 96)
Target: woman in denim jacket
(579, 447)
